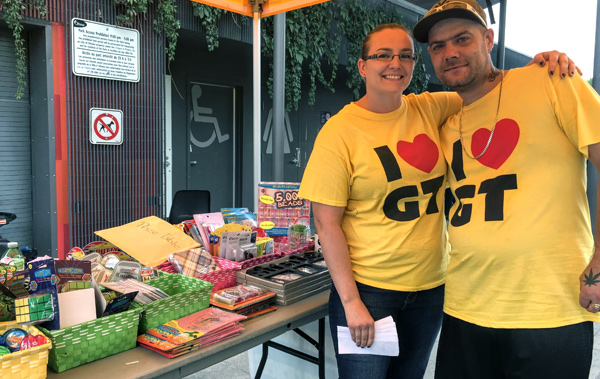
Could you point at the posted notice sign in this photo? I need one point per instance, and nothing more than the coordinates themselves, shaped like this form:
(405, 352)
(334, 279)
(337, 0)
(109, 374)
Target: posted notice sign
(106, 126)
(105, 51)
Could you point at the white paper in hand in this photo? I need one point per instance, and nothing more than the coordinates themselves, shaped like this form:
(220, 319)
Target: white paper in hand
(386, 340)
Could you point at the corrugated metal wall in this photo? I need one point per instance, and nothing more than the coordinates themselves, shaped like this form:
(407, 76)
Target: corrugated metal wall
(110, 185)
(15, 148)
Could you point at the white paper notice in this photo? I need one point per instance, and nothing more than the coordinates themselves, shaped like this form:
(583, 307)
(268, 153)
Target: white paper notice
(386, 340)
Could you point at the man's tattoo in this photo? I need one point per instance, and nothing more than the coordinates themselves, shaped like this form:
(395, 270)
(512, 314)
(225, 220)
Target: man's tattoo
(592, 279)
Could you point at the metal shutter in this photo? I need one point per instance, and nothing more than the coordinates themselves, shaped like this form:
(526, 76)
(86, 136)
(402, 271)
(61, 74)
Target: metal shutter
(15, 148)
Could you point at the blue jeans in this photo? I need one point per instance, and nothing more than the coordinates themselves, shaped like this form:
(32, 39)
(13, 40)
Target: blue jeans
(418, 318)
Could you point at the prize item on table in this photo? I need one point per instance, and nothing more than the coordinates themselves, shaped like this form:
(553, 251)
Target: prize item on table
(279, 207)
(123, 256)
(299, 233)
(92, 257)
(100, 273)
(43, 280)
(192, 332)
(4, 350)
(237, 245)
(110, 260)
(119, 303)
(292, 278)
(233, 295)
(207, 223)
(100, 247)
(216, 237)
(13, 256)
(240, 216)
(250, 301)
(17, 283)
(75, 254)
(34, 309)
(6, 271)
(193, 262)
(13, 338)
(126, 270)
(146, 293)
(70, 271)
(7, 268)
(189, 227)
(30, 341)
(264, 246)
(148, 273)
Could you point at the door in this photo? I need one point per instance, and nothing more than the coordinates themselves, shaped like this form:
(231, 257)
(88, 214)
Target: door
(212, 142)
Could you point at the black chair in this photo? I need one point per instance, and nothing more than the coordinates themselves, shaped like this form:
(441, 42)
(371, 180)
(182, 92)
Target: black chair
(187, 203)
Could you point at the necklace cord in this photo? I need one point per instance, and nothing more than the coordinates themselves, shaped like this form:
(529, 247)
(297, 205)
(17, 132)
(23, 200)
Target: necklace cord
(487, 145)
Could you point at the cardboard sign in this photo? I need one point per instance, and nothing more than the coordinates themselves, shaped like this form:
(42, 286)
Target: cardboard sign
(150, 240)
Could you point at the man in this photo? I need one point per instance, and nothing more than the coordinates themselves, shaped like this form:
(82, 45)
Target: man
(522, 285)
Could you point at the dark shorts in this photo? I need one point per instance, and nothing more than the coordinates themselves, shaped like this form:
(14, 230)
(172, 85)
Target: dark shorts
(418, 317)
(469, 351)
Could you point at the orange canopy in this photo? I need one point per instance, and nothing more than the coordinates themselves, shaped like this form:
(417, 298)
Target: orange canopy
(269, 8)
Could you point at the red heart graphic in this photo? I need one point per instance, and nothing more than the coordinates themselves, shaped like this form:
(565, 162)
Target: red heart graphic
(503, 143)
(422, 153)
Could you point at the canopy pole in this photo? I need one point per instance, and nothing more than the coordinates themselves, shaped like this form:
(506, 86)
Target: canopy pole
(501, 36)
(592, 173)
(256, 104)
(278, 126)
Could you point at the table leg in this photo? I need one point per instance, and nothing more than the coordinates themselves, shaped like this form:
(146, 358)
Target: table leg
(320, 345)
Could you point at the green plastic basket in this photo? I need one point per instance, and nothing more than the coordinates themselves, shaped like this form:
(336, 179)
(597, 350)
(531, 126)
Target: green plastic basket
(187, 295)
(92, 340)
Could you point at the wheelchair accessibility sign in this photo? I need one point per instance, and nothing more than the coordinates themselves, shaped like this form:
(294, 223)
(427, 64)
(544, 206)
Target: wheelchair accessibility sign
(106, 126)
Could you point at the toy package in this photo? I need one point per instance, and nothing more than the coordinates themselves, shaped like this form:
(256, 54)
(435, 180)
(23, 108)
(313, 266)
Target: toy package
(279, 207)
(42, 281)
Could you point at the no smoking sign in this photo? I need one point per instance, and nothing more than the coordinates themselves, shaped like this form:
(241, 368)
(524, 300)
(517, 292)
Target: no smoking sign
(106, 126)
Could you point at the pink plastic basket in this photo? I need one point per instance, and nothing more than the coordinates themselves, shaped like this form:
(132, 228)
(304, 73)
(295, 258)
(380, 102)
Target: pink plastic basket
(225, 277)
(309, 247)
(262, 259)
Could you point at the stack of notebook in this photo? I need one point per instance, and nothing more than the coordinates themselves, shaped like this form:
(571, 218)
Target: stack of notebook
(249, 301)
(200, 329)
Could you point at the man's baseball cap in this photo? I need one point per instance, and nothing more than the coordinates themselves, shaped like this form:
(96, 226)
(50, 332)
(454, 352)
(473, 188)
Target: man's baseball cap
(468, 9)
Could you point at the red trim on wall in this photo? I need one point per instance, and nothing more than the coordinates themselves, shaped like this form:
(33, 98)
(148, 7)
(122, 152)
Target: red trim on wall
(60, 138)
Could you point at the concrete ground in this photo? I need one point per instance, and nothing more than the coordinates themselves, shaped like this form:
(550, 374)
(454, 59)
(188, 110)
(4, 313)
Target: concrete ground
(238, 367)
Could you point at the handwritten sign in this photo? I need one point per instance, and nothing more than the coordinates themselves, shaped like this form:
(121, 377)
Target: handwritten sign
(150, 240)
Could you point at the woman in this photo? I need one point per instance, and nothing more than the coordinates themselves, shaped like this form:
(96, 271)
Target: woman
(376, 179)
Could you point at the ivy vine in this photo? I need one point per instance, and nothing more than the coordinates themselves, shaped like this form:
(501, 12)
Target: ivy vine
(165, 23)
(13, 10)
(208, 17)
(314, 38)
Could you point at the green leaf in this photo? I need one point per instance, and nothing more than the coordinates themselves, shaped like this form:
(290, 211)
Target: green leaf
(591, 280)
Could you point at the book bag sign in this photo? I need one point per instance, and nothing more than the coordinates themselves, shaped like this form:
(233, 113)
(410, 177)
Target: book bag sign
(106, 126)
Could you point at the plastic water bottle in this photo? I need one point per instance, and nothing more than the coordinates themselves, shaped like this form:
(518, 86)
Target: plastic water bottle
(14, 253)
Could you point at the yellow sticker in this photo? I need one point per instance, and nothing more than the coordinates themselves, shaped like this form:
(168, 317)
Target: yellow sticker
(267, 224)
(267, 200)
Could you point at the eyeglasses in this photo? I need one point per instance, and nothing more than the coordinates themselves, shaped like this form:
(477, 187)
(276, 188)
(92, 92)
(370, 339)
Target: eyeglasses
(454, 5)
(387, 57)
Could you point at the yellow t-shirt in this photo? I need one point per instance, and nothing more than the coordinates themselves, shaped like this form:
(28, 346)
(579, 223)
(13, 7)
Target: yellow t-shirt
(521, 234)
(388, 171)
